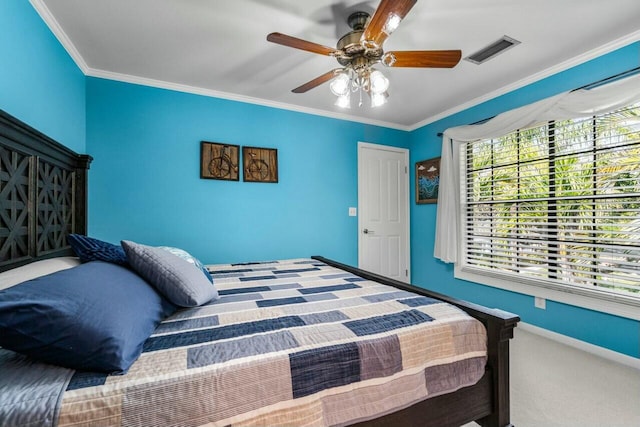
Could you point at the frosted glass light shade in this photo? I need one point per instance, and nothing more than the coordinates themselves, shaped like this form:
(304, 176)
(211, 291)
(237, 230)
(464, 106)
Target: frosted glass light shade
(378, 99)
(340, 84)
(379, 83)
(343, 101)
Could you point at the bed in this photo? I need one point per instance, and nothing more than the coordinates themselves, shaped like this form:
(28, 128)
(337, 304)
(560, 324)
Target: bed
(320, 342)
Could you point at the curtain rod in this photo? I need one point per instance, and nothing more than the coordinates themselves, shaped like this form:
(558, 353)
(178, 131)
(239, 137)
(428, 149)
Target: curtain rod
(591, 85)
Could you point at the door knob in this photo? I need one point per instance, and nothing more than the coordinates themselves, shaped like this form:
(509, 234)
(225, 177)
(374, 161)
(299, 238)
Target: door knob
(367, 231)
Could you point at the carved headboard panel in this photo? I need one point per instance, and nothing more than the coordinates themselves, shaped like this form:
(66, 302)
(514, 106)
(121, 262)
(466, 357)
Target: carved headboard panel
(43, 194)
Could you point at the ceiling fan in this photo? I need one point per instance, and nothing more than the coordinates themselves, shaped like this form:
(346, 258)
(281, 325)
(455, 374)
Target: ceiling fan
(360, 49)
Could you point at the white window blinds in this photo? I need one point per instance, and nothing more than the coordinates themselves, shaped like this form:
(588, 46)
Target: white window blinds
(557, 203)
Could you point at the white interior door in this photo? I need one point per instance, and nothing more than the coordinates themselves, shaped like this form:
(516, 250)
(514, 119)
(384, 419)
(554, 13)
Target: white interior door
(383, 202)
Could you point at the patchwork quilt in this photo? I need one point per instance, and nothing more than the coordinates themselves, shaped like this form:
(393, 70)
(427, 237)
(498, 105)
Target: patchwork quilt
(293, 342)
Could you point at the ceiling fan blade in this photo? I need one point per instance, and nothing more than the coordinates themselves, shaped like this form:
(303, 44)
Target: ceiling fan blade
(294, 42)
(316, 82)
(422, 58)
(385, 20)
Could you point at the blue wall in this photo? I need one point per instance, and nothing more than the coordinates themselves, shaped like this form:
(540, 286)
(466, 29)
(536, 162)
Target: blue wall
(39, 82)
(145, 181)
(146, 186)
(616, 333)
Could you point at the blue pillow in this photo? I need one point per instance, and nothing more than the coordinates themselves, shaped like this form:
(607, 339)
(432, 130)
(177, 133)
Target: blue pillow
(90, 249)
(172, 276)
(93, 317)
(189, 258)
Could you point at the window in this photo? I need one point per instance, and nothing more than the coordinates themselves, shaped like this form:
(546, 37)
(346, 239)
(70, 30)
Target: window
(557, 205)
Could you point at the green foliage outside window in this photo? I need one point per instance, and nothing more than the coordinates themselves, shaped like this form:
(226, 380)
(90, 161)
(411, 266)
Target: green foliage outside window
(559, 202)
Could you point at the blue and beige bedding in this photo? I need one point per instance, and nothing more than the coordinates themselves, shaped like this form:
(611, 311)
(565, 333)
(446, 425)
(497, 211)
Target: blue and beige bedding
(293, 342)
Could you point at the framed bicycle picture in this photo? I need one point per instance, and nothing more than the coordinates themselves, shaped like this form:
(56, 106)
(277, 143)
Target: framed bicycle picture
(259, 164)
(427, 180)
(219, 161)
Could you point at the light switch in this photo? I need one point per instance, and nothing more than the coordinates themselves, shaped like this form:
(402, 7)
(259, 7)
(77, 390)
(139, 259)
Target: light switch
(353, 211)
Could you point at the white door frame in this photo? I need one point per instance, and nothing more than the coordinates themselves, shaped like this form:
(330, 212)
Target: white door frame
(361, 203)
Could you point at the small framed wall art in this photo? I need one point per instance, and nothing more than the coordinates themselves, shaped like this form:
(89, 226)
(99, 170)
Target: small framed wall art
(427, 180)
(219, 161)
(259, 164)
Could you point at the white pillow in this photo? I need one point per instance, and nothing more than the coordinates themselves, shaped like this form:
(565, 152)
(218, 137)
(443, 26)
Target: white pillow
(36, 269)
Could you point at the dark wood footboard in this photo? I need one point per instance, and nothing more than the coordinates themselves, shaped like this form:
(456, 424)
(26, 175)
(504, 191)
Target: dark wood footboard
(486, 402)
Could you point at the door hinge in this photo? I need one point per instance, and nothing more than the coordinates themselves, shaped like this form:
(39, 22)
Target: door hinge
(406, 273)
(406, 170)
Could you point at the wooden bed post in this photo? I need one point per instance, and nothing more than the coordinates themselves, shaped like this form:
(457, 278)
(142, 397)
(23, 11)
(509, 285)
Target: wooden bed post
(499, 332)
(82, 193)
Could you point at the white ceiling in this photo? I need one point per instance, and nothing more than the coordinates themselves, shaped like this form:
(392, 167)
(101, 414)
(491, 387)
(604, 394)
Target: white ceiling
(219, 47)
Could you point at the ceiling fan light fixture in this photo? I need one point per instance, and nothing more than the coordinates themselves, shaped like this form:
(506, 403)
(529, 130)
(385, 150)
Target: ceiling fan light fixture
(378, 99)
(340, 84)
(343, 101)
(360, 50)
(378, 82)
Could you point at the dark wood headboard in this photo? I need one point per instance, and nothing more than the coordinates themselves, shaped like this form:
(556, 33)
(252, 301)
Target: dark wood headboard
(43, 194)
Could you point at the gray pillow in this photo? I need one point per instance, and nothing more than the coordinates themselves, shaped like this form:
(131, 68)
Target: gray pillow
(178, 280)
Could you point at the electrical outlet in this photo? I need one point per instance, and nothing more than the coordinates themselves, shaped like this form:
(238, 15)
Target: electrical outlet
(352, 211)
(540, 303)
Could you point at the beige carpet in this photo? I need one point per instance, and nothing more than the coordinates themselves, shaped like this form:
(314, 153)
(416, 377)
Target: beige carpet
(556, 385)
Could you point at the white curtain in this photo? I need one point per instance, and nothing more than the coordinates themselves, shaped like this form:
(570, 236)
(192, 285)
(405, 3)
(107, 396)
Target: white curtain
(568, 105)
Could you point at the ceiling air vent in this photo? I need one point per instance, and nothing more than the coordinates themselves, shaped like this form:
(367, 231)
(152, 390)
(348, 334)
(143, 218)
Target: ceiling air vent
(492, 50)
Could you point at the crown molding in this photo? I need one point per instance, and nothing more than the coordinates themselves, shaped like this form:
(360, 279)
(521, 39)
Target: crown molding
(66, 42)
(126, 78)
(68, 45)
(563, 66)
(57, 31)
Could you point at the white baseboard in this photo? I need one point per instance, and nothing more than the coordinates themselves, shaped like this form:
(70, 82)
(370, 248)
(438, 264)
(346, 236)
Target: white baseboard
(605, 353)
